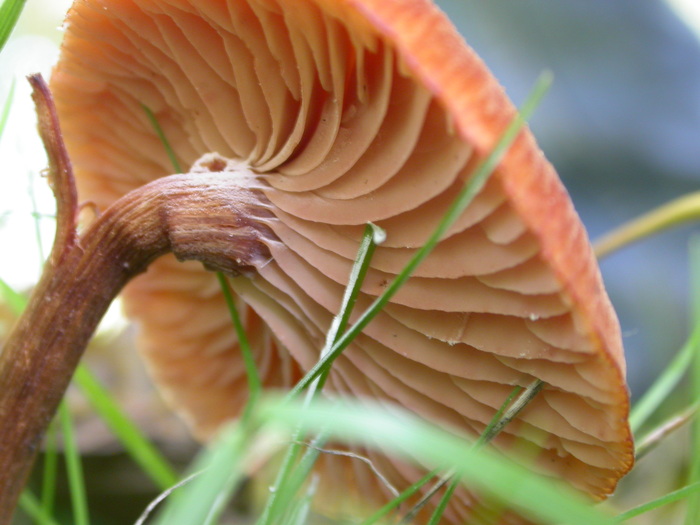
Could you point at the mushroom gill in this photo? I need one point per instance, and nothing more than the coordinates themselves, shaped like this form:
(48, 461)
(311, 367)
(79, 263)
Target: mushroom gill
(344, 112)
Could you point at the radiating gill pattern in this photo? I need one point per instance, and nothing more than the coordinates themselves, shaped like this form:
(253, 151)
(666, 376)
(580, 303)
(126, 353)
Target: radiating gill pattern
(339, 131)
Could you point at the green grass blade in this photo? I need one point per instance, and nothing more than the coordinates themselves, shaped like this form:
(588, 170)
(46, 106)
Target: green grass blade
(472, 187)
(509, 411)
(488, 433)
(9, 14)
(49, 471)
(410, 516)
(665, 383)
(693, 512)
(74, 468)
(8, 104)
(371, 238)
(303, 508)
(220, 470)
(288, 479)
(440, 509)
(294, 481)
(671, 497)
(254, 381)
(675, 370)
(161, 135)
(394, 503)
(31, 506)
(518, 399)
(135, 443)
(278, 494)
(406, 435)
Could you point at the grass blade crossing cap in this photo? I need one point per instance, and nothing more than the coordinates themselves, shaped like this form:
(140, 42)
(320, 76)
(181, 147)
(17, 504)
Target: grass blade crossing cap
(342, 112)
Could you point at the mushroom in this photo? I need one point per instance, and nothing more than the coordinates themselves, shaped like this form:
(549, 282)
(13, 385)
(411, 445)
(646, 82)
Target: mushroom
(314, 117)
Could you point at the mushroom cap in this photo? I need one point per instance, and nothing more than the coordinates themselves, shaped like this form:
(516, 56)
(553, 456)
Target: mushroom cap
(349, 111)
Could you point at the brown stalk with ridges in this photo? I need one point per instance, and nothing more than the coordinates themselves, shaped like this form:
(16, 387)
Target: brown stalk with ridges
(194, 215)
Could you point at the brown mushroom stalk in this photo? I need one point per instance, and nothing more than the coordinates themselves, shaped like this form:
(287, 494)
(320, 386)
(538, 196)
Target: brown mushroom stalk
(203, 215)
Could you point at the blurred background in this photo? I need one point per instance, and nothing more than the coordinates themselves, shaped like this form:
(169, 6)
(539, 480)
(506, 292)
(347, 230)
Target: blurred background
(621, 124)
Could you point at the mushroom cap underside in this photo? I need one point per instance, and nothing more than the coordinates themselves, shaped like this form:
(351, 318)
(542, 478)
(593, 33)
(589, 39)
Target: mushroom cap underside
(345, 112)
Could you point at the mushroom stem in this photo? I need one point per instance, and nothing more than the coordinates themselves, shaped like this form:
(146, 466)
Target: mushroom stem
(207, 216)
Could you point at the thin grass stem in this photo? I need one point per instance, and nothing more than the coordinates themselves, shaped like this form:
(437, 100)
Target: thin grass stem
(665, 382)
(219, 469)
(298, 475)
(50, 470)
(371, 238)
(273, 508)
(5, 113)
(31, 506)
(254, 381)
(151, 507)
(501, 418)
(394, 503)
(693, 509)
(287, 482)
(671, 497)
(674, 213)
(527, 395)
(651, 439)
(442, 505)
(138, 446)
(470, 190)
(483, 437)
(74, 468)
(410, 515)
(357, 457)
(300, 515)
(163, 139)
